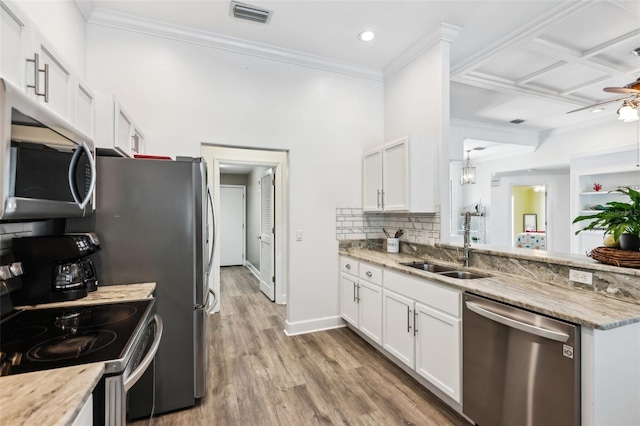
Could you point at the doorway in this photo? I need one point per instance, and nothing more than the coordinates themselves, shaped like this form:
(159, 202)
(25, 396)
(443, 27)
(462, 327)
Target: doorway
(220, 158)
(529, 216)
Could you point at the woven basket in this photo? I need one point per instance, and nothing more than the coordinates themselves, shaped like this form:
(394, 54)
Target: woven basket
(617, 257)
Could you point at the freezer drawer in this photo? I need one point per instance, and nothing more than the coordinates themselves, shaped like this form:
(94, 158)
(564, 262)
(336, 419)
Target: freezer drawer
(519, 368)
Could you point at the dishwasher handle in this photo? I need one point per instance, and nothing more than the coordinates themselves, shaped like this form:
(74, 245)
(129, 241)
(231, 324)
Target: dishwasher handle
(519, 325)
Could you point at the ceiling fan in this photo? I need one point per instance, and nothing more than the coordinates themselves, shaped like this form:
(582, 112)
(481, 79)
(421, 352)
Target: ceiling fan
(629, 109)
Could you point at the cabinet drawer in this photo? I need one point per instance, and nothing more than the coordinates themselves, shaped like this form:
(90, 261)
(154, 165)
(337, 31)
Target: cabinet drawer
(371, 273)
(432, 294)
(349, 265)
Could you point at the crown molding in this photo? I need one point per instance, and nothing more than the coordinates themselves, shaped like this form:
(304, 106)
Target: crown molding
(446, 32)
(85, 7)
(205, 38)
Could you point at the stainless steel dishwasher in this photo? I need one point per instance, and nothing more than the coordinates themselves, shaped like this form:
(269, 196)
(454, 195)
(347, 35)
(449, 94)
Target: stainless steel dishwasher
(519, 368)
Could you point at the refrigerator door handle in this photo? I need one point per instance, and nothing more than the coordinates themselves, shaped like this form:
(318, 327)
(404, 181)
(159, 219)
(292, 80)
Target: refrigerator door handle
(213, 239)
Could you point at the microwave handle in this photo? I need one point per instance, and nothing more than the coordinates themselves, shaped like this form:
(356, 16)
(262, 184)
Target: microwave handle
(73, 165)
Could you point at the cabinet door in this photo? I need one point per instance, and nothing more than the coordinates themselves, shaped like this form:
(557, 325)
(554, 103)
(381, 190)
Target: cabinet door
(372, 181)
(349, 299)
(397, 334)
(84, 110)
(438, 354)
(123, 129)
(59, 87)
(13, 45)
(395, 173)
(370, 310)
(137, 142)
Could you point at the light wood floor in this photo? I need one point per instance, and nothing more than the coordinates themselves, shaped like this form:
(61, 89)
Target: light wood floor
(259, 376)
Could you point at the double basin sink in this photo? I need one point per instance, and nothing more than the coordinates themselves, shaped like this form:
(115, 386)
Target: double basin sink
(444, 270)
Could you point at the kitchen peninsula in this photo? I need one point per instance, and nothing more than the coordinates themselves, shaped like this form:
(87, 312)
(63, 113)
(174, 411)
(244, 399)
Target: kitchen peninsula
(608, 312)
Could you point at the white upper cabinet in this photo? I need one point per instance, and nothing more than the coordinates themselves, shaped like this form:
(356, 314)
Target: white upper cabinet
(14, 40)
(49, 78)
(84, 109)
(372, 181)
(115, 129)
(401, 176)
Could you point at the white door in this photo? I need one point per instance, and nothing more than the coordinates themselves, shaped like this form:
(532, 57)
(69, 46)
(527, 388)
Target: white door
(349, 299)
(231, 229)
(372, 181)
(438, 352)
(395, 172)
(397, 336)
(370, 312)
(267, 232)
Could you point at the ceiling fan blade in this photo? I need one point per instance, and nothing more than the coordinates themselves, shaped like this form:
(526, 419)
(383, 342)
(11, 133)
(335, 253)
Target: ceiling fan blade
(598, 104)
(629, 88)
(620, 90)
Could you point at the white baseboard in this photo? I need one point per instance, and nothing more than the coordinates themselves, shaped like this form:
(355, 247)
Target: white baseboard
(311, 326)
(252, 268)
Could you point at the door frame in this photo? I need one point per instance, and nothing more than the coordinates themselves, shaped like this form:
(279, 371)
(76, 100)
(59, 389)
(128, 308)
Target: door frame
(279, 160)
(244, 216)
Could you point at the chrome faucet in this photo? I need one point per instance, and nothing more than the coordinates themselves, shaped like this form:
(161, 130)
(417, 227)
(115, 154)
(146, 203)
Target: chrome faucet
(467, 226)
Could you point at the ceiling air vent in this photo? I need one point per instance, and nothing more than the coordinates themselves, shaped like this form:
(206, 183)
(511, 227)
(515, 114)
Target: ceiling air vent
(250, 13)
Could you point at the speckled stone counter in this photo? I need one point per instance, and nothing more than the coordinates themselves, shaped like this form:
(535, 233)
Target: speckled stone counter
(51, 397)
(55, 397)
(105, 294)
(576, 305)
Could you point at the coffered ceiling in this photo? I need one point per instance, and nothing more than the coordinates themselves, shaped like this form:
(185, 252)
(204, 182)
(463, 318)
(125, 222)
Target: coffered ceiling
(529, 60)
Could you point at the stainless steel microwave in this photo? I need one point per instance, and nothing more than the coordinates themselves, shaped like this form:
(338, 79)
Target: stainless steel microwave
(48, 169)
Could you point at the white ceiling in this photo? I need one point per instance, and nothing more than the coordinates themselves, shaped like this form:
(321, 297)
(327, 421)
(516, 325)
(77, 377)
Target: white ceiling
(533, 60)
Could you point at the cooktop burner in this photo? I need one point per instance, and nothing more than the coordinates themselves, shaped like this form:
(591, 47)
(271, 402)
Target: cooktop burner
(40, 339)
(72, 345)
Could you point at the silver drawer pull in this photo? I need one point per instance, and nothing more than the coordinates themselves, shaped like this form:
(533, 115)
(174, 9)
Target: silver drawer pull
(369, 273)
(348, 266)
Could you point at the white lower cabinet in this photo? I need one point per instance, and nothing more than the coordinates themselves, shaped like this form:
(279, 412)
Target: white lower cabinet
(361, 298)
(370, 313)
(438, 349)
(422, 328)
(348, 298)
(415, 320)
(398, 327)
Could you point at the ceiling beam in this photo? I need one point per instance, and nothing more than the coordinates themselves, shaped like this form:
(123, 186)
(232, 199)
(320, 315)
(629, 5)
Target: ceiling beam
(536, 27)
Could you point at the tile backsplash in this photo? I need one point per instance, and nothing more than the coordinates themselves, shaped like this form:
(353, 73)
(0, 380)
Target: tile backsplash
(354, 224)
(9, 231)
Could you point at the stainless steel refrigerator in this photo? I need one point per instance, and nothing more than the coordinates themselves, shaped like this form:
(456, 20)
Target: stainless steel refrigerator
(152, 220)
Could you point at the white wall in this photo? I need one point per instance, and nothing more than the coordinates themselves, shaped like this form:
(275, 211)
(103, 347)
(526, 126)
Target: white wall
(416, 100)
(182, 94)
(63, 25)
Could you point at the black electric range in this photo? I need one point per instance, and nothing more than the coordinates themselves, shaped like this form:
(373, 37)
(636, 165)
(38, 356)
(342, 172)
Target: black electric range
(41, 339)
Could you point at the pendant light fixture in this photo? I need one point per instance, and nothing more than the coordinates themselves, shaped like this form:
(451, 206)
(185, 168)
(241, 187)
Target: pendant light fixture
(468, 172)
(628, 112)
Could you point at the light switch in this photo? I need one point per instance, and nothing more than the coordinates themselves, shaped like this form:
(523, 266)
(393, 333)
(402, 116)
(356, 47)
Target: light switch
(299, 235)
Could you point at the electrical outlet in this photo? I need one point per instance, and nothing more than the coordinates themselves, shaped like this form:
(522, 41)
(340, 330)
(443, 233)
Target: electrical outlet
(581, 277)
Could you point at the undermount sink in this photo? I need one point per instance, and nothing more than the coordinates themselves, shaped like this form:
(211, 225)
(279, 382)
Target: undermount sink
(462, 275)
(428, 267)
(446, 271)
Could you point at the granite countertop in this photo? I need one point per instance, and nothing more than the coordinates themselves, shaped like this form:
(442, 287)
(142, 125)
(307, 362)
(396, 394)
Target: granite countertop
(55, 397)
(578, 306)
(52, 397)
(105, 294)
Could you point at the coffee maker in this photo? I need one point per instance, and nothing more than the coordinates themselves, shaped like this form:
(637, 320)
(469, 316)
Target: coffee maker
(56, 267)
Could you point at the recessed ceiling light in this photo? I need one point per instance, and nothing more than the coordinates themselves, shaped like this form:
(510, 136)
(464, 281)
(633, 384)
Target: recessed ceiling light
(366, 35)
(597, 110)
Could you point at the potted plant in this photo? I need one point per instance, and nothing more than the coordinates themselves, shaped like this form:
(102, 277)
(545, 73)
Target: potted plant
(622, 220)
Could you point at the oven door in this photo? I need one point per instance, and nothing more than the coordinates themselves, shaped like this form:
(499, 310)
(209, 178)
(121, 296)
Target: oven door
(119, 388)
